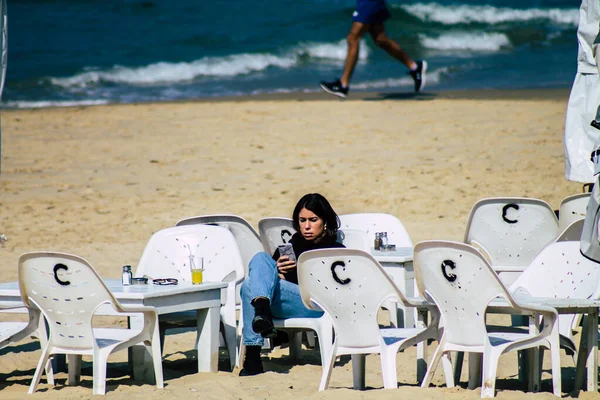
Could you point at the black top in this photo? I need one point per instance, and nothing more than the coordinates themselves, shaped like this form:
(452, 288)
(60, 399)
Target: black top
(300, 245)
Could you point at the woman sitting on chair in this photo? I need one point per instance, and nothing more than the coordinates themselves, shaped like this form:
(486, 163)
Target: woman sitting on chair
(271, 287)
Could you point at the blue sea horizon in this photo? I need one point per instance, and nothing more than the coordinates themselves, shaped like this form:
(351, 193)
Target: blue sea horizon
(66, 52)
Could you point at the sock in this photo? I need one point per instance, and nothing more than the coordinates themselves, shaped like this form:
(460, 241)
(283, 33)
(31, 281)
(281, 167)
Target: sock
(414, 68)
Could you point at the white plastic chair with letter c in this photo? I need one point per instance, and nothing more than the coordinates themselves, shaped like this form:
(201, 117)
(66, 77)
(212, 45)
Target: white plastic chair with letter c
(68, 291)
(350, 286)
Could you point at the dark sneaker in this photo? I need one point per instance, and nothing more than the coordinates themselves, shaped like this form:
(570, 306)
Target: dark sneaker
(418, 75)
(335, 88)
(264, 326)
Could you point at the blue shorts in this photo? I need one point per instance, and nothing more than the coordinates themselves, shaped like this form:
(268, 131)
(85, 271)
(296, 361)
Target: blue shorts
(370, 12)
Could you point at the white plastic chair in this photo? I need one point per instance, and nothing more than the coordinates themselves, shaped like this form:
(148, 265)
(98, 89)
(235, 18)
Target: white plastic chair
(461, 282)
(372, 223)
(561, 271)
(354, 239)
(167, 255)
(510, 232)
(245, 235)
(68, 291)
(274, 231)
(572, 208)
(350, 286)
(571, 232)
(14, 331)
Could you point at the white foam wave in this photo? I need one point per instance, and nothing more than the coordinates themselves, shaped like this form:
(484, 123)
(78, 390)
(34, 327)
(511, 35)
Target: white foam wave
(334, 51)
(43, 104)
(233, 65)
(466, 41)
(164, 72)
(449, 14)
(433, 77)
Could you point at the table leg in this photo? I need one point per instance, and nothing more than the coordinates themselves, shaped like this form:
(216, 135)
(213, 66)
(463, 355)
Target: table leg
(592, 357)
(421, 346)
(207, 344)
(588, 352)
(533, 358)
(140, 358)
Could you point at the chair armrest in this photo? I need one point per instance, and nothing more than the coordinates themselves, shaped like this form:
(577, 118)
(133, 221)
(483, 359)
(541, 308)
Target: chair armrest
(135, 309)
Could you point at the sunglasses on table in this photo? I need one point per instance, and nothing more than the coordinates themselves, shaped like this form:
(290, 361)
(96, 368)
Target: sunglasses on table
(165, 281)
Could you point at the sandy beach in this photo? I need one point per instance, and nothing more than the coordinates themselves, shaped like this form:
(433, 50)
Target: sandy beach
(99, 181)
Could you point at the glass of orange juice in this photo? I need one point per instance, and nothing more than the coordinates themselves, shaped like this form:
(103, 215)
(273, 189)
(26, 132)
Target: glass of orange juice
(197, 269)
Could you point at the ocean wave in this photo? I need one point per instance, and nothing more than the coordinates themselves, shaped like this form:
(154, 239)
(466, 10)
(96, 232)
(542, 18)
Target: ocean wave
(57, 103)
(227, 66)
(333, 51)
(433, 77)
(466, 41)
(457, 14)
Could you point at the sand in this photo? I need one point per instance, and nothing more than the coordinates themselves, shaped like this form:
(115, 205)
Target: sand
(99, 181)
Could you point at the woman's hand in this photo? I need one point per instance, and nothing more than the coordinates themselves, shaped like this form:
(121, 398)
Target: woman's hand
(284, 265)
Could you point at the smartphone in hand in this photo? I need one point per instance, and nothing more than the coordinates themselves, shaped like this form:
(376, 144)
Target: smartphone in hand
(286, 249)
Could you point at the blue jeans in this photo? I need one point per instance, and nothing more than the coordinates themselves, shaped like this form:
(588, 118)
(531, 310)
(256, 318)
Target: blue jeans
(263, 281)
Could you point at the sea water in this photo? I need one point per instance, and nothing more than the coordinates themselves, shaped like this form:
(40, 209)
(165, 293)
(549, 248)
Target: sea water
(70, 52)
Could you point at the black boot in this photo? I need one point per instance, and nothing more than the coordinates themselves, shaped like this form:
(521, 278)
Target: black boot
(263, 320)
(252, 363)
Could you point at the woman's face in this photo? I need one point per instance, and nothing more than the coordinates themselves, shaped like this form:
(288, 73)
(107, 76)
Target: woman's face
(312, 226)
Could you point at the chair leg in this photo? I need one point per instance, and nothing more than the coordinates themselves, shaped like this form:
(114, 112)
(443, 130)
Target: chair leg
(230, 342)
(42, 335)
(435, 360)
(328, 367)
(157, 363)
(490, 366)
(310, 339)
(162, 333)
(38, 371)
(475, 370)
(448, 370)
(239, 359)
(99, 373)
(358, 370)
(555, 359)
(325, 343)
(388, 369)
(295, 344)
(49, 373)
(74, 365)
(458, 364)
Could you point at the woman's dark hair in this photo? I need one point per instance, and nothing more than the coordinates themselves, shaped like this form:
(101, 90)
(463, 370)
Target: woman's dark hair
(318, 204)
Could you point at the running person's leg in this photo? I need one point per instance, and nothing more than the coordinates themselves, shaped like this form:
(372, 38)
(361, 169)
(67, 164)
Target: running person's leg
(357, 31)
(381, 39)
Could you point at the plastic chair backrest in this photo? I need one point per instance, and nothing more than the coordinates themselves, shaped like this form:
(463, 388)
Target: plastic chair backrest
(572, 232)
(67, 290)
(512, 230)
(572, 208)
(372, 223)
(350, 286)
(246, 236)
(460, 281)
(167, 254)
(354, 239)
(274, 231)
(560, 271)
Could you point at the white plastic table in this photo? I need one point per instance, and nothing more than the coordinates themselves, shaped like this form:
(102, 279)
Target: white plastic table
(587, 352)
(398, 265)
(205, 299)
